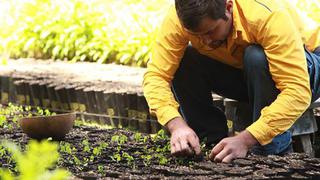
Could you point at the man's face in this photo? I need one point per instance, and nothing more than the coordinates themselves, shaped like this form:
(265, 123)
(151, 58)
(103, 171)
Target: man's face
(214, 33)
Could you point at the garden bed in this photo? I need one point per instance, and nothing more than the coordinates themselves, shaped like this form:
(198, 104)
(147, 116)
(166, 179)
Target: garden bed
(100, 93)
(90, 152)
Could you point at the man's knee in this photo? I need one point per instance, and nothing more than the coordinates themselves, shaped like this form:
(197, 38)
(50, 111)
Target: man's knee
(280, 145)
(255, 58)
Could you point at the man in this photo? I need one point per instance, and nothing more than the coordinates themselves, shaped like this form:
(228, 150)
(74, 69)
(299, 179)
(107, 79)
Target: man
(255, 51)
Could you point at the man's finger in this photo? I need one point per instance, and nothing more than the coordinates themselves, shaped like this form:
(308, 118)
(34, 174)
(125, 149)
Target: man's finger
(215, 150)
(185, 148)
(221, 155)
(173, 148)
(177, 149)
(194, 143)
(228, 158)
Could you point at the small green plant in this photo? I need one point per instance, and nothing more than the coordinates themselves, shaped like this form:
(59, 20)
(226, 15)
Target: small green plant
(138, 137)
(116, 157)
(40, 111)
(123, 139)
(146, 159)
(76, 160)
(145, 139)
(86, 147)
(128, 158)
(97, 151)
(3, 120)
(103, 145)
(48, 113)
(44, 112)
(66, 148)
(2, 151)
(162, 160)
(101, 170)
(27, 108)
(160, 136)
(119, 139)
(13, 109)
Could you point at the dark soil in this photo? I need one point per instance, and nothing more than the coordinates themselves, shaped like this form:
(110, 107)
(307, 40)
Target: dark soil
(149, 157)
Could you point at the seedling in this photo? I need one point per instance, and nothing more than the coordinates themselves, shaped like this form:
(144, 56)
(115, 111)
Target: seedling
(40, 111)
(128, 158)
(137, 137)
(146, 159)
(119, 139)
(86, 147)
(103, 145)
(3, 120)
(2, 151)
(161, 159)
(97, 151)
(116, 157)
(66, 148)
(101, 170)
(161, 135)
(76, 161)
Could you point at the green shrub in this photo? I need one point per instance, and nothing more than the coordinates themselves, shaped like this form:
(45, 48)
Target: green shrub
(311, 8)
(102, 31)
(35, 162)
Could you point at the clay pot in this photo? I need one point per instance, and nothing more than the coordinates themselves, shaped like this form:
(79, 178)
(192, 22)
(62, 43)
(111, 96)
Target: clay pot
(42, 127)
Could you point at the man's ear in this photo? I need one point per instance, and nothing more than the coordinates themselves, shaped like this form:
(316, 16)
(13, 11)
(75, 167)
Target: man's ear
(229, 7)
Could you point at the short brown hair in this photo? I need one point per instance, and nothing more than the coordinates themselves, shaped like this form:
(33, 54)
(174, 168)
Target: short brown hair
(191, 12)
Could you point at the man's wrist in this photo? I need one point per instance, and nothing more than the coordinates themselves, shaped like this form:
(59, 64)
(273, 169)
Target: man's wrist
(175, 123)
(248, 138)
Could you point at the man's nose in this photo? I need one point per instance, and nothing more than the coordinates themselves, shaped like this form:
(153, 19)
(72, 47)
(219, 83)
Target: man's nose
(206, 39)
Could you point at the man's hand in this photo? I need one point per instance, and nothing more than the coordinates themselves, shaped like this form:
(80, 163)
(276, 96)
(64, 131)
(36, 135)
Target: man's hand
(232, 147)
(184, 140)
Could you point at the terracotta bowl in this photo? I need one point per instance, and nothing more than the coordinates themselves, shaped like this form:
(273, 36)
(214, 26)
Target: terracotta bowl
(42, 127)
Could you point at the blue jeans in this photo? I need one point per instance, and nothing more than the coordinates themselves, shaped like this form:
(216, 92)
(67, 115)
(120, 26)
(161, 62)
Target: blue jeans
(279, 145)
(198, 76)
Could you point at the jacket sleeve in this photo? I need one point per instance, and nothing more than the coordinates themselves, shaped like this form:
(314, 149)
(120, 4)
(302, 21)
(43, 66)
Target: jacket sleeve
(283, 46)
(167, 52)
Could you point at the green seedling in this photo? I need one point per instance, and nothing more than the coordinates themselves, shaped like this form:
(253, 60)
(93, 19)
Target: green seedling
(66, 148)
(86, 146)
(3, 120)
(101, 170)
(76, 160)
(128, 158)
(146, 159)
(162, 160)
(119, 139)
(137, 137)
(97, 151)
(40, 111)
(116, 157)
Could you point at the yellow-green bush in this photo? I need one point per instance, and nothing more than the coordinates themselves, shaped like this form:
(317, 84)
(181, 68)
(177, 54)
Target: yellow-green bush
(311, 7)
(37, 162)
(103, 31)
(78, 30)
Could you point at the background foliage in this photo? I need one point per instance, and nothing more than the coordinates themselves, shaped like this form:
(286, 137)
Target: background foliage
(102, 31)
(310, 7)
(78, 30)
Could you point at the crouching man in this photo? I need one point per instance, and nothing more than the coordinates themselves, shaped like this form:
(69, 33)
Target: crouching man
(256, 51)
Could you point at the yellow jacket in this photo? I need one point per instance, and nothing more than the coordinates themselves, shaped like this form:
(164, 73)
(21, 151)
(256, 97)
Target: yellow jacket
(273, 24)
